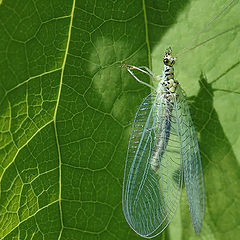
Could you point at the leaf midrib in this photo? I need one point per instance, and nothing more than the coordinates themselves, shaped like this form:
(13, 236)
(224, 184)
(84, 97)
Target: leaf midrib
(55, 118)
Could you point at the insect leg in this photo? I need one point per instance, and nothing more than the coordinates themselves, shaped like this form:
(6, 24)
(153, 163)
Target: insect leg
(129, 68)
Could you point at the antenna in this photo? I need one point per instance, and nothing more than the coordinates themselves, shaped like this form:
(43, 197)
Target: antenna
(207, 40)
(186, 49)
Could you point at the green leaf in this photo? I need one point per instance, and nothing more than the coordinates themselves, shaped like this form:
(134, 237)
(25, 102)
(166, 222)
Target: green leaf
(66, 109)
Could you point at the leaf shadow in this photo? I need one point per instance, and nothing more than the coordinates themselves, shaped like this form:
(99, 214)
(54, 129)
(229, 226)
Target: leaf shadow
(161, 15)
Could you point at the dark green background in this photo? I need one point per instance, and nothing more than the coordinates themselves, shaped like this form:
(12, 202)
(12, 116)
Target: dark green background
(66, 109)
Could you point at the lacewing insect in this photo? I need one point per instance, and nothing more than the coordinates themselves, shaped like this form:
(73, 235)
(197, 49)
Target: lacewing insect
(162, 152)
(162, 149)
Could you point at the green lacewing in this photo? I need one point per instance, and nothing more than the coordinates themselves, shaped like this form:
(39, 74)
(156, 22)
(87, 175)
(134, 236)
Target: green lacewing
(162, 146)
(163, 152)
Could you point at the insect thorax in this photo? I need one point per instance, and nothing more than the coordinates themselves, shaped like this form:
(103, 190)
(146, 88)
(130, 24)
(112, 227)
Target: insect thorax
(168, 82)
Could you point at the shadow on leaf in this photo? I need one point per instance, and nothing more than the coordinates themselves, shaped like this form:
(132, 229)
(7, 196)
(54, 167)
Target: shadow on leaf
(220, 167)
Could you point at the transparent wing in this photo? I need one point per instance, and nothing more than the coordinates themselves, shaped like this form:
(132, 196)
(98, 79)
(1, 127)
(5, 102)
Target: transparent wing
(193, 175)
(153, 171)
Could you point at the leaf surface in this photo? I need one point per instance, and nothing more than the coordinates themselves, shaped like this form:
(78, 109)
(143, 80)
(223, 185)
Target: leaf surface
(66, 109)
